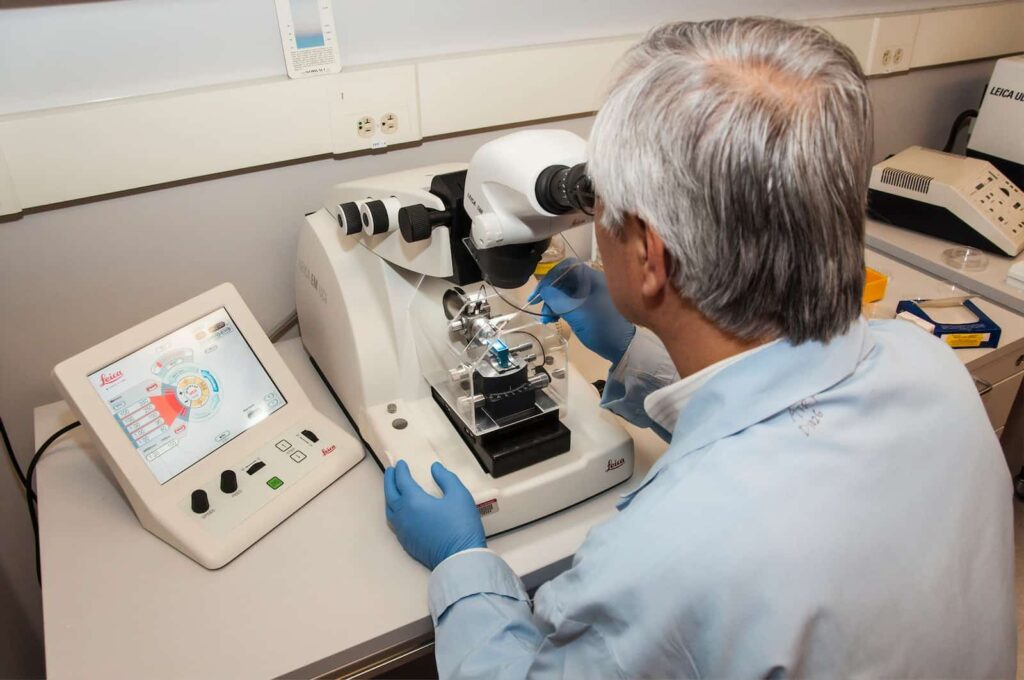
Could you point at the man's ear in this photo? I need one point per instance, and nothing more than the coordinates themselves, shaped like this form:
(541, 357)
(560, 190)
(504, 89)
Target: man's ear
(654, 277)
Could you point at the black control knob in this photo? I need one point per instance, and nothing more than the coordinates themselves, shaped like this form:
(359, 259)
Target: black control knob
(375, 217)
(200, 503)
(228, 481)
(416, 221)
(348, 218)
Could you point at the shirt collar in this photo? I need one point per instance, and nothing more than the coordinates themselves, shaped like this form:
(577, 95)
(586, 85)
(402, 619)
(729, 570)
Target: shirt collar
(757, 386)
(665, 404)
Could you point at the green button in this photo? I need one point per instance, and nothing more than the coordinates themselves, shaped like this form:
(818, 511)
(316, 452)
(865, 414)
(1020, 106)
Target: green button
(275, 483)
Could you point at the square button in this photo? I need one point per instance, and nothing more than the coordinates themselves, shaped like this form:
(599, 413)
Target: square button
(283, 445)
(298, 456)
(275, 483)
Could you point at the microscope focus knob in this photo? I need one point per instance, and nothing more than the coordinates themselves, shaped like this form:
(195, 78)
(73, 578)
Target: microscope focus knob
(375, 217)
(417, 221)
(414, 223)
(348, 218)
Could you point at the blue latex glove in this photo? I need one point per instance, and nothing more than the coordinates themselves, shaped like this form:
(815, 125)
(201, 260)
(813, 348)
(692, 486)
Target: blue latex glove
(579, 294)
(431, 529)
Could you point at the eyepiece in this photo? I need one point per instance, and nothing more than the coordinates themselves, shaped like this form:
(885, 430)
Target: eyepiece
(561, 189)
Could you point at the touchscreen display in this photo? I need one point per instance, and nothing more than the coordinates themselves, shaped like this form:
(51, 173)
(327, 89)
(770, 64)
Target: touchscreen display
(182, 397)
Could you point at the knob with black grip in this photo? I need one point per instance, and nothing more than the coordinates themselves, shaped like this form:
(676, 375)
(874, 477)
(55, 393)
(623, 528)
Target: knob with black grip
(417, 221)
(375, 217)
(200, 502)
(228, 481)
(348, 218)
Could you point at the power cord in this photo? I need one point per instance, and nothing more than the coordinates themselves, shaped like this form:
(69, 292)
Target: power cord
(10, 454)
(958, 124)
(26, 479)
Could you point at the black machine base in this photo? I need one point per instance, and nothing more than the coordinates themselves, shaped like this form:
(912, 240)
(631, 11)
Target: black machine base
(926, 218)
(512, 448)
(1014, 171)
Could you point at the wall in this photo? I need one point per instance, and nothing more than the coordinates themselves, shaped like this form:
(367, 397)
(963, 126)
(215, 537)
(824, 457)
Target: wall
(88, 51)
(73, 276)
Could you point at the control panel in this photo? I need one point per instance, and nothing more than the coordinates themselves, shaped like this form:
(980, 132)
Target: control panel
(965, 200)
(255, 479)
(1000, 199)
(206, 430)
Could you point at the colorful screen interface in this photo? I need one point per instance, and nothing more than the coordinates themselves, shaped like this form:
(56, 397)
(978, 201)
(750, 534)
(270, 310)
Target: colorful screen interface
(181, 398)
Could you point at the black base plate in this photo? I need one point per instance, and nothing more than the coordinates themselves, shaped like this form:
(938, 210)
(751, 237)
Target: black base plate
(515, 447)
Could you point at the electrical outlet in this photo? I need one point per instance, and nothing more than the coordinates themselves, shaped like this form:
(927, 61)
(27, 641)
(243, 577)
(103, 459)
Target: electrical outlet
(892, 43)
(365, 126)
(373, 109)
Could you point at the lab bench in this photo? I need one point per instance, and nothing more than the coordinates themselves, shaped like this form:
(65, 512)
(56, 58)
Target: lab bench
(330, 591)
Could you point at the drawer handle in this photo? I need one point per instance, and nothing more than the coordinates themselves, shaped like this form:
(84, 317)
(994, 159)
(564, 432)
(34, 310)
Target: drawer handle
(1020, 360)
(983, 386)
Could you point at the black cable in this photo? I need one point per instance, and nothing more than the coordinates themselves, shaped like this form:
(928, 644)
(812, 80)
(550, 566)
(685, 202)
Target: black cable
(543, 354)
(30, 494)
(42, 449)
(10, 454)
(958, 124)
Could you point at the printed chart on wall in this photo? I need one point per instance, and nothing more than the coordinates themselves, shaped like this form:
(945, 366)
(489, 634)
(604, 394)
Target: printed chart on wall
(182, 397)
(308, 37)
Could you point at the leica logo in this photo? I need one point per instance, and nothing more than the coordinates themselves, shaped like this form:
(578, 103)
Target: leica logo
(1007, 93)
(613, 464)
(108, 378)
(329, 450)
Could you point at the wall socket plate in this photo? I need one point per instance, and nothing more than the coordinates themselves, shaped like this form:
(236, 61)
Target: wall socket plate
(373, 109)
(9, 203)
(892, 43)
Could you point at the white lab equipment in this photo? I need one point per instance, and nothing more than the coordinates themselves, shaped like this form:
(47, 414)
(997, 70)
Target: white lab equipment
(996, 136)
(965, 200)
(433, 363)
(203, 425)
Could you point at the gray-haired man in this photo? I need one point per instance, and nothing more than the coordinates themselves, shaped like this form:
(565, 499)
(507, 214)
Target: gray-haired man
(834, 502)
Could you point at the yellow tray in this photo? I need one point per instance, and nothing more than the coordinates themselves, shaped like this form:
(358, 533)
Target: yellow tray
(874, 285)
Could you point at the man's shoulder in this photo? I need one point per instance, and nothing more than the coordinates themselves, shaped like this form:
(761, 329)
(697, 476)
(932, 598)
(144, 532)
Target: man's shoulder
(906, 355)
(905, 338)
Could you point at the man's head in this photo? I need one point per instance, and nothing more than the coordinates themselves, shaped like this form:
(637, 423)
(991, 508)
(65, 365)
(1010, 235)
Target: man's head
(731, 161)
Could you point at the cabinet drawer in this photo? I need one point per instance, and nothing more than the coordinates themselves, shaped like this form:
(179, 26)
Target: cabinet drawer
(1001, 364)
(998, 398)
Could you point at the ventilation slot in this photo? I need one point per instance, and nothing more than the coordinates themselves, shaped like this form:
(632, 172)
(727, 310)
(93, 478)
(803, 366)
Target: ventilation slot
(906, 180)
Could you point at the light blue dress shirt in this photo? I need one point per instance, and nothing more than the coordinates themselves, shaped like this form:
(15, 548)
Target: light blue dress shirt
(839, 510)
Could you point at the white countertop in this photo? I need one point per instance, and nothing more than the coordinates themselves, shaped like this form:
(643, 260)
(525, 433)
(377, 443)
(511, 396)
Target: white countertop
(328, 587)
(906, 282)
(925, 253)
